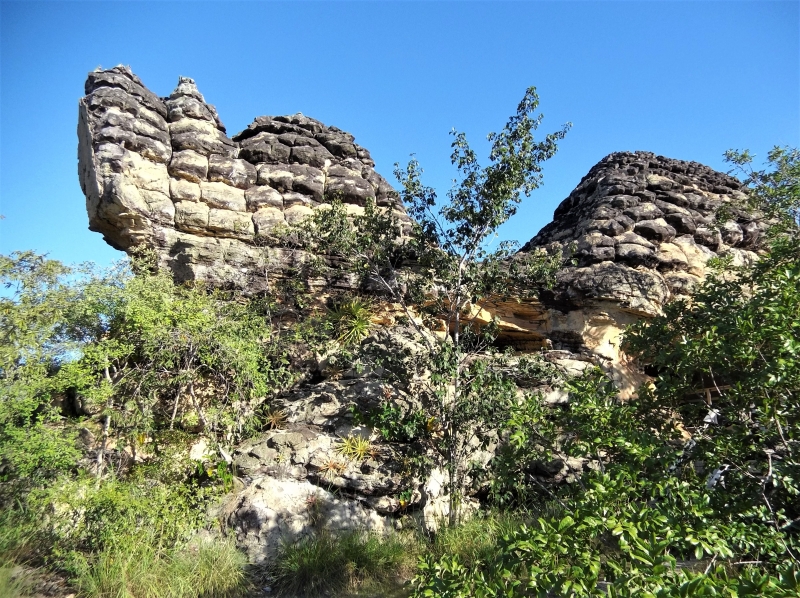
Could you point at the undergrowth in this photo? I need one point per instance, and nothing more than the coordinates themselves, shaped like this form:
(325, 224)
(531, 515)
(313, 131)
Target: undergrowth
(136, 568)
(333, 563)
(10, 587)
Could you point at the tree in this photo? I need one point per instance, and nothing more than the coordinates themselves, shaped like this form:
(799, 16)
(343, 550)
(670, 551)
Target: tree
(728, 360)
(445, 267)
(37, 295)
(133, 349)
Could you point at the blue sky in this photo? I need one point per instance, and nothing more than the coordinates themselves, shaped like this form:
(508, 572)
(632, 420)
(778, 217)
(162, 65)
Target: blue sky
(686, 80)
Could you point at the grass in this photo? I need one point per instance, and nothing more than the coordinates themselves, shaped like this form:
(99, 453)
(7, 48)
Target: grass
(335, 563)
(9, 586)
(474, 540)
(368, 564)
(138, 569)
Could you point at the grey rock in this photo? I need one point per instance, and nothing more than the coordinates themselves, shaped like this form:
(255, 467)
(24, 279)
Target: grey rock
(189, 165)
(292, 199)
(191, 216)
(655, 230)
(273, 510)
(262, 196)
(750, 234)
(682, 223)
(227, 223)
(636, 255)
(231, 171)
(681, 283)
(731, 233)
(624, 201)
(265, 219)
(310, 156)
(265, 148)
(646, 211)
(222, 196)
(631, 237)
(182, 190)
(709, 237)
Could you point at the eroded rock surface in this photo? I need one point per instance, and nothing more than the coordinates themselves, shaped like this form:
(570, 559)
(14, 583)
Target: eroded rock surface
(644, 227)
(641, 229)
(163, 172)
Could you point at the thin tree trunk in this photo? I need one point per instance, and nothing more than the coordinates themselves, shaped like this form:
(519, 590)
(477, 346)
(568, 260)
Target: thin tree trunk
(196, 404)
(175, 407)
(101, 454)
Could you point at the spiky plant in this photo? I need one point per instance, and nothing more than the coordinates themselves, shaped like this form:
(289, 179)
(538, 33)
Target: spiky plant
(355, 448)
(275, 419)
(351, 319)
(333, 467)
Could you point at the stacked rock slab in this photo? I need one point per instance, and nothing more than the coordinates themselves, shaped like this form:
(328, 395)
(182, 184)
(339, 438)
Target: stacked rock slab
(640, 229)
(638, 212)
(162, 172)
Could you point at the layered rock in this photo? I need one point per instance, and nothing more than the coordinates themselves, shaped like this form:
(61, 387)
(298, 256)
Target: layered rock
(640, 230)
(644, 227)
(162, 172)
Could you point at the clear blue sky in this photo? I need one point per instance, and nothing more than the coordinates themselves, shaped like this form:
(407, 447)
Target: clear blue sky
(684, 79)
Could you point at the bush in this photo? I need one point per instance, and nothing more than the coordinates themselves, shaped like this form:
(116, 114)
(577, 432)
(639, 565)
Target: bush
(475, 540)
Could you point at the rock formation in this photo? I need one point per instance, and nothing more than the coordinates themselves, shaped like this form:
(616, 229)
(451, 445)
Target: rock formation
(639, 229)
(638, 212)
(162, 172)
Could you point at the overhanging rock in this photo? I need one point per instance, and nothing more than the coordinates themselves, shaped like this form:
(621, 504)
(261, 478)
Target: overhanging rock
(162, 172)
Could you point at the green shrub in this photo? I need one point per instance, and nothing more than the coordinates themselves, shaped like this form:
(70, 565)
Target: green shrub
(351, 319)
(475, 540)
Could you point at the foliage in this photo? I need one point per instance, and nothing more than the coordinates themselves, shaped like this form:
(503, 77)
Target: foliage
(475, 539)
(691, 490)
(275, 419)
(774, 191)
(355, 448)
(136, 364)
(351, 319)
(139, 350)
(454, 269)
(728, 365)
(329, 563)
(392, 422)
(632, 525)
(33, 444)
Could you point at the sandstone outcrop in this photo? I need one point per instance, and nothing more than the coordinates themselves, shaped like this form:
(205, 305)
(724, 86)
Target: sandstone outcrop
(639, 230)
(644, 227)
(162, 172)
